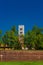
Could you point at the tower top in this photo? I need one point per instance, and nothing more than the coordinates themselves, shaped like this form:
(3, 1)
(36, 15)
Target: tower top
(21, 29)
(21, 25)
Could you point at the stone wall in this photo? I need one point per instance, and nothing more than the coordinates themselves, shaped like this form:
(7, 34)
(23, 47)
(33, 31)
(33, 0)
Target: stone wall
(20, 55)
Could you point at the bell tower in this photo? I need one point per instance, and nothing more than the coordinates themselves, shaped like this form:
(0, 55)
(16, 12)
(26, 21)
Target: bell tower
(21, 35)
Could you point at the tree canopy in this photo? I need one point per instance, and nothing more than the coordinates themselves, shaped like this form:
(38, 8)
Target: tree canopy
(33, 39)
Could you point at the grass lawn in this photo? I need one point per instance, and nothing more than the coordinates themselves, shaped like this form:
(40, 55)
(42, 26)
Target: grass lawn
(22, 63)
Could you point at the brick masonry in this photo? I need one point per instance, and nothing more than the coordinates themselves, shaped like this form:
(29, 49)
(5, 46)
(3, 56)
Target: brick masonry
(15, 55)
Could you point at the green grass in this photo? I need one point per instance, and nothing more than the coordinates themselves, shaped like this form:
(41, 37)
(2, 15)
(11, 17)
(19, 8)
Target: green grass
(22, 63)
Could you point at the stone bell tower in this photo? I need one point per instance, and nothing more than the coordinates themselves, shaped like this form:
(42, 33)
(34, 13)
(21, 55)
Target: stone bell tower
(21, 35)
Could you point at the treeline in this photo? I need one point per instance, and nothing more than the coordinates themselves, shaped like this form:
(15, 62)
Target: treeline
(33, 39)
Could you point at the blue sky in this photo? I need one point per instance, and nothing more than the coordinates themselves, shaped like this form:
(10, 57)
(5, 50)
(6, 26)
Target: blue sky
(25, 12)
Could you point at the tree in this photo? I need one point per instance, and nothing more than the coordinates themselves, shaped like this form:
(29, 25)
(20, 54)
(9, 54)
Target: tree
(11, 39)
(34, 38)
(0, 37)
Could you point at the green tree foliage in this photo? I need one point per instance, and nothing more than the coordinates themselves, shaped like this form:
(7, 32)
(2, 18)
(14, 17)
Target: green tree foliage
(11, 39)
(34, 38)
(0, 36)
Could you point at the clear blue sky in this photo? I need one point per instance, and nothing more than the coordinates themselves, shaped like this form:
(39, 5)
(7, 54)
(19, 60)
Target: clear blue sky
(26, 12)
